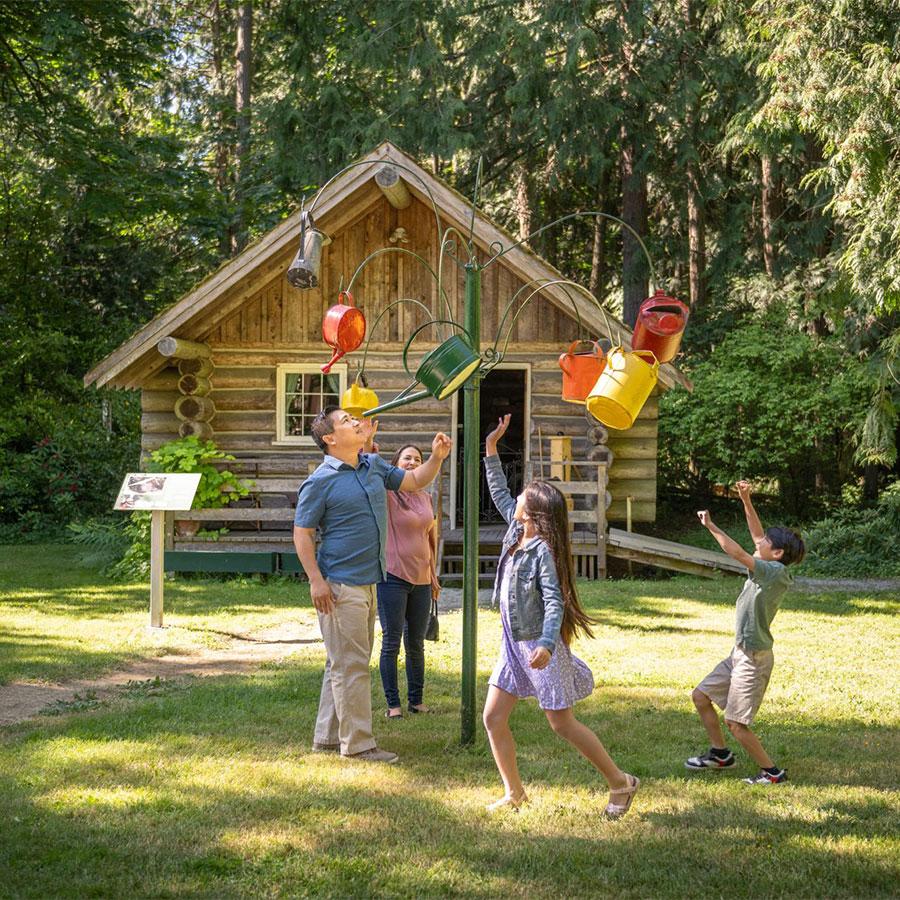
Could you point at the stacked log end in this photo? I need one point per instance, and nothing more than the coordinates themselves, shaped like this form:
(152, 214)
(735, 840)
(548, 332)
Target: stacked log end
(598, 450)
(194, 408)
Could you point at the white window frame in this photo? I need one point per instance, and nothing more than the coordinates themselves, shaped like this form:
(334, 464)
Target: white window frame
(281, 374)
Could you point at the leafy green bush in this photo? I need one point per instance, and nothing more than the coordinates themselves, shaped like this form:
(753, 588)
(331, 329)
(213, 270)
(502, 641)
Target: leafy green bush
(770, 402)
(217, 487)
(60, 462)
(857, 542)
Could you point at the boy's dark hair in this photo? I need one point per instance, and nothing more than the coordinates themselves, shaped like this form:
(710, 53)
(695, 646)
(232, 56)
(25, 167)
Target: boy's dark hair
(789, 541)
(323, 424)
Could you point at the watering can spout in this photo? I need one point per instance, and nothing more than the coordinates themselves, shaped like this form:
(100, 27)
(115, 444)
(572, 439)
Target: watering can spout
(399, 400)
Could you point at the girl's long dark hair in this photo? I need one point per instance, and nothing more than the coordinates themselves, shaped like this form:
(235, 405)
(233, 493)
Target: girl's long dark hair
(546, 507)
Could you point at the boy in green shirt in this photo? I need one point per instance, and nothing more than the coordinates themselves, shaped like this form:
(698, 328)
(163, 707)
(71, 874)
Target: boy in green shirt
(738, 683)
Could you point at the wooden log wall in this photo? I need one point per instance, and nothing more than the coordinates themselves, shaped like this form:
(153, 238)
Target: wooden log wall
(243, 390)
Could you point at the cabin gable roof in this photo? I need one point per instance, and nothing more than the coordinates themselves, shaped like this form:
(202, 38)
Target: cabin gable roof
(222, 292)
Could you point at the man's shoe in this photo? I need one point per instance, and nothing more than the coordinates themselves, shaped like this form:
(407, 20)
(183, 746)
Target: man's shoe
(710, 761)
(375, 755)
(765, 777)
(326, 748)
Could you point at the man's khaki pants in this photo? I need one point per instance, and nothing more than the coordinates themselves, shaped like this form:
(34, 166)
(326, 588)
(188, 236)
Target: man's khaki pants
(345, 704)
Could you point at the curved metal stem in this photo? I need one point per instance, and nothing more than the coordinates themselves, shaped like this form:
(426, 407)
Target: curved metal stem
(435, 275)
(383, 162)
(566, 283)
(577, 215)
(378, 318)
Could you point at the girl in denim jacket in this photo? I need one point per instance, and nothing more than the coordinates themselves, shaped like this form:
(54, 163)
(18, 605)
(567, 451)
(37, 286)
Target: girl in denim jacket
(540, 614)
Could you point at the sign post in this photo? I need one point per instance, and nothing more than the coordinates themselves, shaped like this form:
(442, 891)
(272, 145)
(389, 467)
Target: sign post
(157, 492)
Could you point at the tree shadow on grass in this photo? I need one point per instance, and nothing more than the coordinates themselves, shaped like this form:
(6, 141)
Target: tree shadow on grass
(108, 803)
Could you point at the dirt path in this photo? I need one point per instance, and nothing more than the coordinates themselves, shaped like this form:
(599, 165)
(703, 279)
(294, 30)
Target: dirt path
(23, 700)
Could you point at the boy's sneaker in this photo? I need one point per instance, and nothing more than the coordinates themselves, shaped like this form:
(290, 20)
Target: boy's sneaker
(710, 761)
(765, 777)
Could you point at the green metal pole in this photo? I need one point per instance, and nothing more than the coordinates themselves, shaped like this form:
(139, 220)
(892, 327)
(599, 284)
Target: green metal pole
(471, 484)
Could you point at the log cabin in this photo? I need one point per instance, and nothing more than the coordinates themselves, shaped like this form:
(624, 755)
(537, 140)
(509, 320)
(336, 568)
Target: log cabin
(238, 360)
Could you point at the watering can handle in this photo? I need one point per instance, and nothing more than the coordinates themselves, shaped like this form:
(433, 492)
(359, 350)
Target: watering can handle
(348, 295)
(653, 362)
(412, 337)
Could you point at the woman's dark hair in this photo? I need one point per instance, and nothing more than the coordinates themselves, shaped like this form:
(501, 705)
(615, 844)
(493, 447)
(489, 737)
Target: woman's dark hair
(546, 507)
(787, 540)
(396, 457)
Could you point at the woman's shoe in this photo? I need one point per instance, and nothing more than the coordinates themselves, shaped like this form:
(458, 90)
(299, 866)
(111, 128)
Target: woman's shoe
(421, 708)
(390, 714)
(512, 803)
(620, 799)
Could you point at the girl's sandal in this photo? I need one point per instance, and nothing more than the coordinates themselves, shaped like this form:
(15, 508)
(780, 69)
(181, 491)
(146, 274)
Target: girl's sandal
(507, 803)
(420, 709)
(616, 809)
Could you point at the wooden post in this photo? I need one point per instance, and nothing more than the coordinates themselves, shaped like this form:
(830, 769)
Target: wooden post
(182, 349)
(393, 187)
(157, 549)
(601, 519)
(560, 451)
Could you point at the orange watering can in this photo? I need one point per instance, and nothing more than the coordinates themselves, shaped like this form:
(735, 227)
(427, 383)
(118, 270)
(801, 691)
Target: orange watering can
(581, 370)
(623, 388)
(660, 324)
(343, 329)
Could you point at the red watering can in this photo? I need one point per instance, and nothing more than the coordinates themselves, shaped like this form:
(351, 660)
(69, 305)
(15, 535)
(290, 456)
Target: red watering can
(581, 370)
(343, 329)
(660, 324)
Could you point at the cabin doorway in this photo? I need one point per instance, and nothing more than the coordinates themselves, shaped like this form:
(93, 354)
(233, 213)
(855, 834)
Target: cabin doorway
(505, 389)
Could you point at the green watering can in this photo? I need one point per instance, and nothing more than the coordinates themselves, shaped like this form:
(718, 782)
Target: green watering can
(442, 372)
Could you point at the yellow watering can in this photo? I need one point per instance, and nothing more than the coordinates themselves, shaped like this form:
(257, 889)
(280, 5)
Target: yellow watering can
(623, 387)
(358, 400)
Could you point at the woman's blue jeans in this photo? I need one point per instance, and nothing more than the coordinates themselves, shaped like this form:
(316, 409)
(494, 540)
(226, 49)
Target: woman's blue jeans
(404, 610)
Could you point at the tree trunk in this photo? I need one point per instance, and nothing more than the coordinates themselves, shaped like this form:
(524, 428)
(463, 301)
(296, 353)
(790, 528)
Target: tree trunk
(597, 282)
(693, 47)
(243, 60)
(523, 203)
(696, 236)
(634, 213)
(769, 213)
(220, 165)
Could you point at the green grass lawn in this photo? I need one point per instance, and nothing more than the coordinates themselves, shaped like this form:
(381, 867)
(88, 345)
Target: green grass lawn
(207, 788)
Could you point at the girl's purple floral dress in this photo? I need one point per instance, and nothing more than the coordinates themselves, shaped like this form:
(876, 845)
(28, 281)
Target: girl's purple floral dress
(565, 679)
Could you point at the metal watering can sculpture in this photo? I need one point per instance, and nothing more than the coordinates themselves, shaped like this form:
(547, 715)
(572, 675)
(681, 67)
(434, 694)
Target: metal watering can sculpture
(343, 329)
(358, 399)
(303, 272)
(442, 371)
(660, 324)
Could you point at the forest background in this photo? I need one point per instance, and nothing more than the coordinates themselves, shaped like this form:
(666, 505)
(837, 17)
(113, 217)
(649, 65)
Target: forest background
(755, 146)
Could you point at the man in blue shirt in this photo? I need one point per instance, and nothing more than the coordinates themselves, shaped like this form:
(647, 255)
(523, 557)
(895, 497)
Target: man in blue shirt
(345, 499)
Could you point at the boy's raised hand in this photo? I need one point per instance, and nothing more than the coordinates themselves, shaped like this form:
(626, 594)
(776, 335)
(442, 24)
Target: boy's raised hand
(490, 442)
(705, 518)
(743, 489)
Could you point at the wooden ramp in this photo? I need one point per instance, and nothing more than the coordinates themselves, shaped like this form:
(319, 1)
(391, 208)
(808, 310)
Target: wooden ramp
(651, 551)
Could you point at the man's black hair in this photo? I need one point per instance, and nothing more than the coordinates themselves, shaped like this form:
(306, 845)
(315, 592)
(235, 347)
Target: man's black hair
(323, 424)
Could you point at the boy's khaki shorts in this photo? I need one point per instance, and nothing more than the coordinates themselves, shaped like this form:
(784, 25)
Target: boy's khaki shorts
(738, 683)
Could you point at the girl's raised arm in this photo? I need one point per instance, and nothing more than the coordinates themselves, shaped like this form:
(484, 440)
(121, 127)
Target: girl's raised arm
(496, 480)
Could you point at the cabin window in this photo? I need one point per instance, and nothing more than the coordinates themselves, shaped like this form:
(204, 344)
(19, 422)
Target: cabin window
(303, 392)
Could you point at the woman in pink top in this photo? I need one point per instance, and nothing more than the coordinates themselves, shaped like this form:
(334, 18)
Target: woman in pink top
(404, 597)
